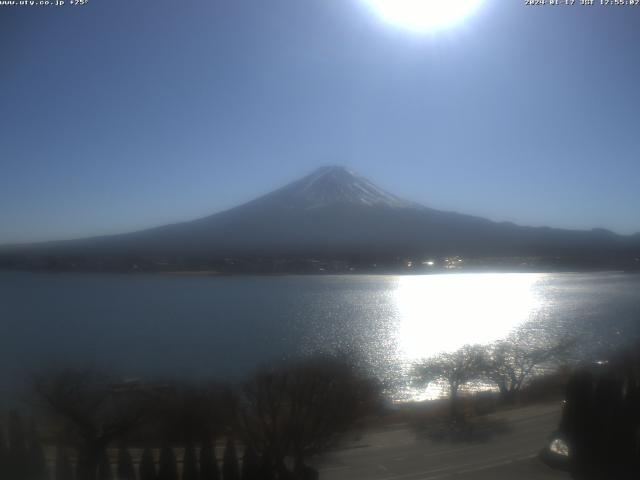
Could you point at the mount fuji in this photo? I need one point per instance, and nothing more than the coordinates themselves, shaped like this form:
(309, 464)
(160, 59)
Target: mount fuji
(334, 213)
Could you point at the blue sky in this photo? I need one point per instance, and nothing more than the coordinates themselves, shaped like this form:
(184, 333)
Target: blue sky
(121, 115)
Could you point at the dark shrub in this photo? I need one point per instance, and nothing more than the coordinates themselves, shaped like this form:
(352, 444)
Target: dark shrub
(230, 469)
(189, 463)
(208, 462)
(18, 458)
(147, 466)
(37, 462)
(125, 470)
(250, 465)
(63, 469)
(104, 466)
(167, 468)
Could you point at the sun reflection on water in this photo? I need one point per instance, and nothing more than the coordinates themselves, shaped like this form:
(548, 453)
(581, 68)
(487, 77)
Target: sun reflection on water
(439, 313)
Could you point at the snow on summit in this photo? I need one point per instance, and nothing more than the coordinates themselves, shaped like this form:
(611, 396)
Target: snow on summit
(334, 185)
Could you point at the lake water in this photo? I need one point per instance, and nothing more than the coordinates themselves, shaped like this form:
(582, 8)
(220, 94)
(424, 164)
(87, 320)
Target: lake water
(224, 327)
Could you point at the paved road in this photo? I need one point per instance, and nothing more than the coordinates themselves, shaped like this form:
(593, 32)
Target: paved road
(399, 453)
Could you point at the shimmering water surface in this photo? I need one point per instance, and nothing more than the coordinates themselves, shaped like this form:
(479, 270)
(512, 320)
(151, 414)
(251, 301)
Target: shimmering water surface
(227, 326)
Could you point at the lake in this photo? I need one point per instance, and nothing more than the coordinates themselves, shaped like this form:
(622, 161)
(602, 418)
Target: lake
(225, 327)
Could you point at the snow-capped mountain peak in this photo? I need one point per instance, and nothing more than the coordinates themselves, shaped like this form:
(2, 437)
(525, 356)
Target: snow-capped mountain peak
(335, 185)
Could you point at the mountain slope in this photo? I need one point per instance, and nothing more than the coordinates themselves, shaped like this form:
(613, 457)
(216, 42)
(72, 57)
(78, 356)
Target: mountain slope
(335, 213)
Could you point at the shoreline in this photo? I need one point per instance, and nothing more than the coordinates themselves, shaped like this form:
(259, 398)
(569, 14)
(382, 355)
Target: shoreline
(216, 273)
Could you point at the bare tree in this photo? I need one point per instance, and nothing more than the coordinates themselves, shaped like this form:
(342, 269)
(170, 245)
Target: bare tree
(92, 410)
(303, 409)
(454, 369)
(512, 362)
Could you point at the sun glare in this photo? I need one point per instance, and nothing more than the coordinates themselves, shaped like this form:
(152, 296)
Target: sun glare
(424, 15)
(443, 312)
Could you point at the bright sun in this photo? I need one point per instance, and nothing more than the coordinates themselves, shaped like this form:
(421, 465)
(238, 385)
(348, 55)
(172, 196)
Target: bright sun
(424, 15)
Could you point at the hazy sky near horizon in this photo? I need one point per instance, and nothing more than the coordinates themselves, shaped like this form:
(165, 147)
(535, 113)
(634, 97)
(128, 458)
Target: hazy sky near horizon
(126, 114)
